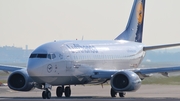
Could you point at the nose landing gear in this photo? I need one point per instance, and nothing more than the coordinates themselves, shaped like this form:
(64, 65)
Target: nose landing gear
(46, 94)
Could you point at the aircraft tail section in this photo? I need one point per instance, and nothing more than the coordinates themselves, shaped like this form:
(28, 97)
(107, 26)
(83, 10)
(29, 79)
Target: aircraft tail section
(134, 28)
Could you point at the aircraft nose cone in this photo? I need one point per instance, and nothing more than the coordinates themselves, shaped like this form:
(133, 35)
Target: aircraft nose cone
(33, 68)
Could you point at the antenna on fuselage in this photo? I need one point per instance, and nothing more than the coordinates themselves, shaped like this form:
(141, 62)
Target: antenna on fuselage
(82, 37)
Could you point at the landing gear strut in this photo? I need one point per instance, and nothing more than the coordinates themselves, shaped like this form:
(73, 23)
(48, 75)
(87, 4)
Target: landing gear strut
(60, 90)
(114, 93)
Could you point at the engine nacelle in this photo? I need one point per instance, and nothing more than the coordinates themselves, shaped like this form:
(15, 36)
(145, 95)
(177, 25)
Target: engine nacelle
(125, 81)
(20, 81)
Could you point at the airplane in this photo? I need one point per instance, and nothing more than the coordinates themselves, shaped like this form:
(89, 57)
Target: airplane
(78, 62)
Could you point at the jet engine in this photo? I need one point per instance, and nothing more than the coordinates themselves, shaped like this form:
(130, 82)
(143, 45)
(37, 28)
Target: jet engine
(20, 81)
(125, 81)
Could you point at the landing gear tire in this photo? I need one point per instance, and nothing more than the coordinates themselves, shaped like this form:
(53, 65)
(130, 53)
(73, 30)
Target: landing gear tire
(67, 91)
(46, 94)
(122, 94)
(113, 93)
(59, 91)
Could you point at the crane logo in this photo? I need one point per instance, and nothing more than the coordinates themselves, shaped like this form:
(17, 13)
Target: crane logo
(140, 12)
(49, 68)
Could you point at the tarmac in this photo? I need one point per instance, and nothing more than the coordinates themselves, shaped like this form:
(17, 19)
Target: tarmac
(97, 93)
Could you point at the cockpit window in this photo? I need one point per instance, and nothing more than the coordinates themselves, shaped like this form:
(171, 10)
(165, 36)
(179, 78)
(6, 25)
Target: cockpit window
(42, 56)
(33, 56)
(53, 56)
(49, 56)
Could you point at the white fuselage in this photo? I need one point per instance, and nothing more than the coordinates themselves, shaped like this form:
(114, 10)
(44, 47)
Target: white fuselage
(73, 62)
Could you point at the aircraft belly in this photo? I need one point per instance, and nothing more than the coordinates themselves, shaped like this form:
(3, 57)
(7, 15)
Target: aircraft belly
(62, 80)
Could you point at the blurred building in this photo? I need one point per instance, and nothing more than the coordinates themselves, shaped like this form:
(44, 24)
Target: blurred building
(11, 54)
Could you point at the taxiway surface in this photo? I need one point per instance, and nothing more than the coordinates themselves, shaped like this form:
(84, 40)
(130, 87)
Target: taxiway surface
(97, 93)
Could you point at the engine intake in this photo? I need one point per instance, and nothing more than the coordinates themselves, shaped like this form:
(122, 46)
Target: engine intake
(125, 81)
(20, 81)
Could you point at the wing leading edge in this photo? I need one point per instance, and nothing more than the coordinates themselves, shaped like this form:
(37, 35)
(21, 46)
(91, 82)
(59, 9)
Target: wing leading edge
(145, 48)
(9, 68)
(107, 74)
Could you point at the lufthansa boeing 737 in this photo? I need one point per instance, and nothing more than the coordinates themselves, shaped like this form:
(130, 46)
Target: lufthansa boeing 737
(79, 62)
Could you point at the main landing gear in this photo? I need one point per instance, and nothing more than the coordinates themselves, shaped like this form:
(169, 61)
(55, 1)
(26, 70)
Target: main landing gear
(46, 94)
(60, 90)
(114, 93)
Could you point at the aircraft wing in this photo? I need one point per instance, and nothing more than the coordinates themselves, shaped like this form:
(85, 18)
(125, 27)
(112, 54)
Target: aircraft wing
(9, 68)
(157, 70)
(145, 48)
(107, 74)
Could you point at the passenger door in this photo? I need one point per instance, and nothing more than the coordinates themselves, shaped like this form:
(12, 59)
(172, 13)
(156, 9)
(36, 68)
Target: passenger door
(68, 63)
